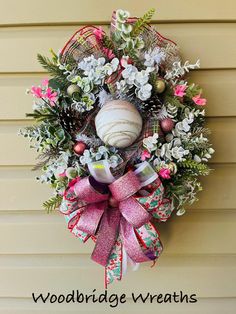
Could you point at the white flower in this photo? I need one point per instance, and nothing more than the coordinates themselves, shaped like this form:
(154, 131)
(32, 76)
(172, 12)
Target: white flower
(176, 142)
(165, 151)
(121, 85)
(109, 68)
(144, 92)
(182, 127)
(185, 126)
(129, 74)
(150, 142)
(154, 57)
(179, 152)
(141, 78)
(211, 150)
(102, 152)
(114, 161)
(86, 158)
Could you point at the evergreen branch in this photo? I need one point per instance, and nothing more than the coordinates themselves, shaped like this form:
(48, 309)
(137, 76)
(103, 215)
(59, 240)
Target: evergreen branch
(199, 168)
(141, 22)
(193, 90)
(40, 165)
(53, 203)
(38, 116)
(173, 101)
(52, 68)
(49, 65)
(107, 42)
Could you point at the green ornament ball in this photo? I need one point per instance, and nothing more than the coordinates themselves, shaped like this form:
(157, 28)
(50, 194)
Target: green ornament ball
(160, 86)
(72, 89)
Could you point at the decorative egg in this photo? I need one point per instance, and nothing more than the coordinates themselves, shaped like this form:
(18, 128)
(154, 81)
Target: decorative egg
(118, 123)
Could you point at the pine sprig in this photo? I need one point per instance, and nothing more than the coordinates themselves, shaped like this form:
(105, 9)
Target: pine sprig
(53, 203)
(49, 65)
(141, 22)
(40, 116)
(173, 101)
(107, 42)
(40, 165)
(193, 166)
(52, 68)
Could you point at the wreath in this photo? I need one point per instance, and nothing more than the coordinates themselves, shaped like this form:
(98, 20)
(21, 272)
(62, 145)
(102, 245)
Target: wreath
(121, 138)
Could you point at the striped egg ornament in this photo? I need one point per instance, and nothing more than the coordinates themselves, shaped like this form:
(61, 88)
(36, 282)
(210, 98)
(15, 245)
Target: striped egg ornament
(118, 123)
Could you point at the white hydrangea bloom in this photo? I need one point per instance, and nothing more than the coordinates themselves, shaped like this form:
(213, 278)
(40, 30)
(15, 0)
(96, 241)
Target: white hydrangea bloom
(165, 151)
(154, 57)
(97, 69)
(86, 158)
(183, 127)
(150, 142)
(129, 74)
(144, 92)
(141, 78)
(179, 152)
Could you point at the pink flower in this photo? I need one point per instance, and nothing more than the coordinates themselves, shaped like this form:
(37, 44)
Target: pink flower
(109, 53)
(98, 32)
(50, 95)
(37, 91)
(199, 101)
(179, 90)
(145, 154)
(45, 82)
(165, 173)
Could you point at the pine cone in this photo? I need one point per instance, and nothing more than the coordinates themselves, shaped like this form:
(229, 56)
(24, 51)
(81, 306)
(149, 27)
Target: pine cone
(152, 105)
(70, 119)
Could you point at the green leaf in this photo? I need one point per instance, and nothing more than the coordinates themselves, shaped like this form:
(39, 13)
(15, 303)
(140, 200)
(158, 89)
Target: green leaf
(55, 84)
(53, 203)
(52, 68)
(195, 167)
(141, 22)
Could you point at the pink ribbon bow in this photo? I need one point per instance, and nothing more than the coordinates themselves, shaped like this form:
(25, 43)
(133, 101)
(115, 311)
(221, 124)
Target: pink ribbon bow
(116, 219)
(108, 214)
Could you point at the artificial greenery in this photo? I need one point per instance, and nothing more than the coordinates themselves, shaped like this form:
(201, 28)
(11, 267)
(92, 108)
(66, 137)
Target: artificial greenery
(53, 203)
(195, 167)
(141, 22)
(52, 68)
(125, 65)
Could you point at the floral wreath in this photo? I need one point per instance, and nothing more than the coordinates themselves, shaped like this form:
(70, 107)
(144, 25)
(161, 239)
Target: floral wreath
(121, 138)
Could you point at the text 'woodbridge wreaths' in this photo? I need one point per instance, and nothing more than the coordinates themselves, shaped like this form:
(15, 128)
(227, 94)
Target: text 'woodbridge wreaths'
(121, 138)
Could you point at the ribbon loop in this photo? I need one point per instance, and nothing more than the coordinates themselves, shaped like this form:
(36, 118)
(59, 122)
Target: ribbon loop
(90, 219)
(86, 190)
(134, 212)
(125, 186)
(131, 243)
